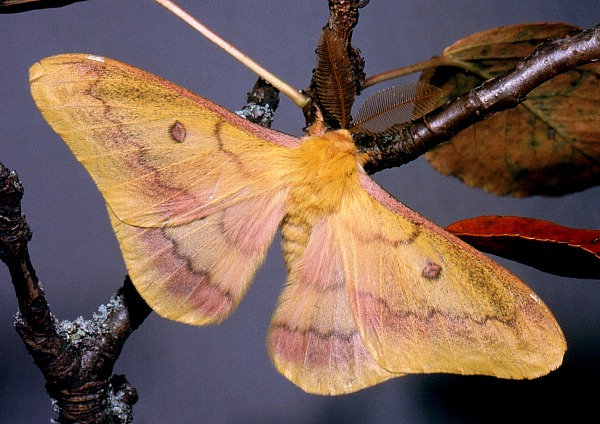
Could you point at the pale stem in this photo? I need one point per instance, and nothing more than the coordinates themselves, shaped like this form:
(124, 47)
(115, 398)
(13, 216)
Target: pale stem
(298, 98)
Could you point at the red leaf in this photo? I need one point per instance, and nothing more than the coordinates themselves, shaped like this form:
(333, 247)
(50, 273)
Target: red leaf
(549, 247)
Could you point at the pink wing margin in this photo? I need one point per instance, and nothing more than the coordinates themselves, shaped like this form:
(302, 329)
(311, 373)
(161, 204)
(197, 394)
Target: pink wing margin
(193, 190)
(426, 302)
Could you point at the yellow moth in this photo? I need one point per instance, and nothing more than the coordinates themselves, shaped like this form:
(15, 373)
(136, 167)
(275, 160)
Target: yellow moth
(195, 195)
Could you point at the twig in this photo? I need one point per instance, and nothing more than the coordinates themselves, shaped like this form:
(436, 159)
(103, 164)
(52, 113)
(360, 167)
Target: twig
(17, 6)
(261, 104)
(76, 357)
(296, 96)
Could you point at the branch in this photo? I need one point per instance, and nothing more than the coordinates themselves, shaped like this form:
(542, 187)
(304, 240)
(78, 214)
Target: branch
(504, 92)
(17, 6)
(261, 104)
(77, 357)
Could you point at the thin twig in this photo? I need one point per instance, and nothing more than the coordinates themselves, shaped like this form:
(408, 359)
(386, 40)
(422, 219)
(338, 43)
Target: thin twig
(420, 67)
(296, 96)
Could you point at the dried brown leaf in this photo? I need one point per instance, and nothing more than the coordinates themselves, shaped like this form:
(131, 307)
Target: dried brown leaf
(548, 145)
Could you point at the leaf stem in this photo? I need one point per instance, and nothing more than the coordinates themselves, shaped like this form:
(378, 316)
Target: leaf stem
(421, 66)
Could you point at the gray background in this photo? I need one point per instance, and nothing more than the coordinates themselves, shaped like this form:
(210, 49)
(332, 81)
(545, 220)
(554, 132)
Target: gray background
(223, 374)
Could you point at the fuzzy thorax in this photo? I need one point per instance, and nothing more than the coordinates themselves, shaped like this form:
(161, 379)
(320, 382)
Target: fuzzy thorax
(325, 170)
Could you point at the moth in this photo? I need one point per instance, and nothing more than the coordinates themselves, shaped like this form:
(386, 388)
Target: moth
(195, 195)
